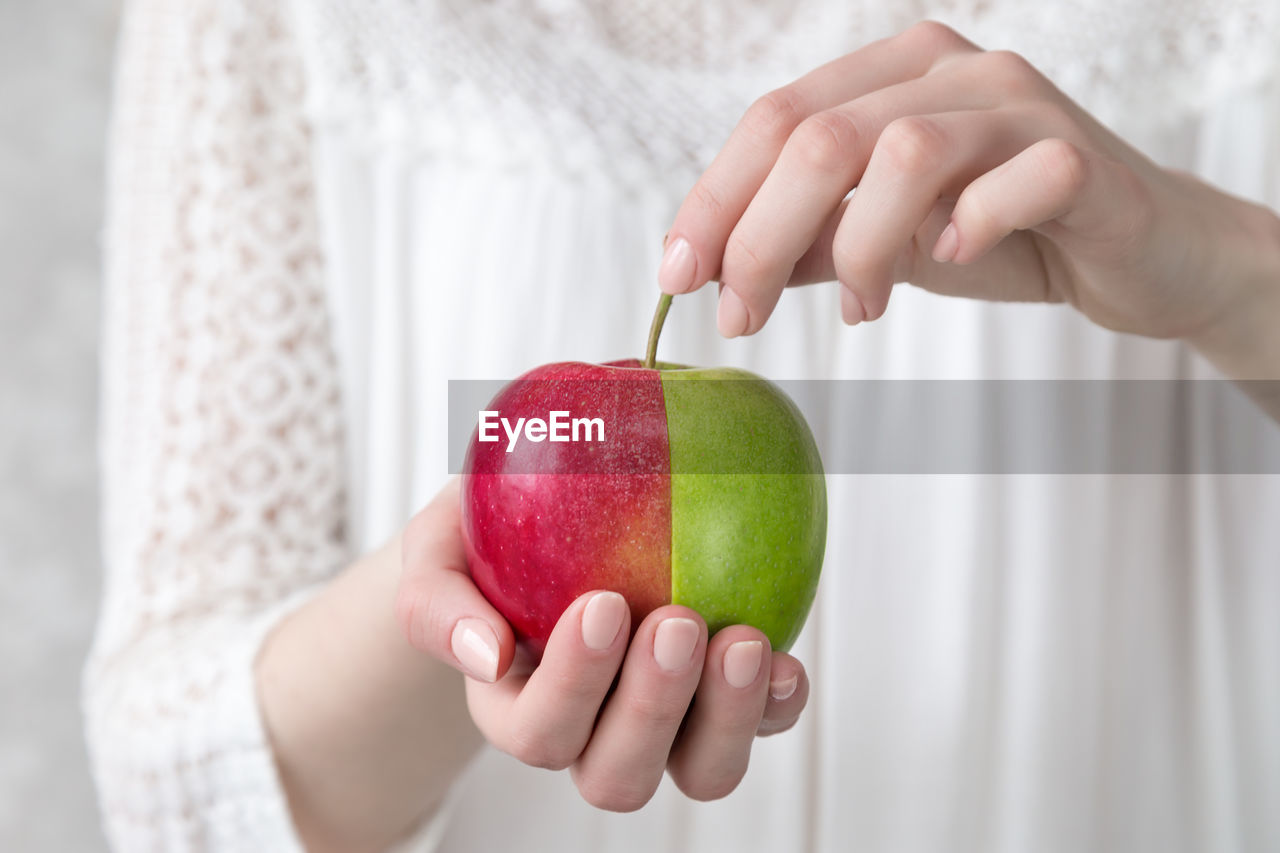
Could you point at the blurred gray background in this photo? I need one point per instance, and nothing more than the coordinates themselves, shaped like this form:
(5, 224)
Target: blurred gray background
(55, 75)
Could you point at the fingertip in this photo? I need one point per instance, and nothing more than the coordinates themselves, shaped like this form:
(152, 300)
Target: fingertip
(675, 643)
(732, 318)
(739, 654)
(957, 248)
(476, 649)
(742, 663)
(786, 675)
(782, 689)
(851, 308)
(677, 273)
(877, 302)
(973, 248)
(604, 617)
(944, 251)
(788, 695)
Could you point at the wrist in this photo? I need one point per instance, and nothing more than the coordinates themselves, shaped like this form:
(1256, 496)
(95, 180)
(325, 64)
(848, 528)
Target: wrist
(1244, 340)
(368, 733)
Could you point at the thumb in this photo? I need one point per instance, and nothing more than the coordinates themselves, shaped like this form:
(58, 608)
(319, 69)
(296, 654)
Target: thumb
(437, 606)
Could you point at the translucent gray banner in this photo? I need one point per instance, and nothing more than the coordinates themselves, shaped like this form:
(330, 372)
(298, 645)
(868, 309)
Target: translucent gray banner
(934, 427)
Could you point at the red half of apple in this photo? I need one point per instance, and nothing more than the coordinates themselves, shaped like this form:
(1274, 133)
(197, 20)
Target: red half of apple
(693, 486)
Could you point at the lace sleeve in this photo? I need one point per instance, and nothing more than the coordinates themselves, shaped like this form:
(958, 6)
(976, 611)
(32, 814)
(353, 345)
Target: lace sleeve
(221, 438)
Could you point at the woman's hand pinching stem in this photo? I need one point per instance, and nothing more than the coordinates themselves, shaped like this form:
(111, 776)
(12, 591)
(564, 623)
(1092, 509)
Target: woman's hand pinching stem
(974, 177)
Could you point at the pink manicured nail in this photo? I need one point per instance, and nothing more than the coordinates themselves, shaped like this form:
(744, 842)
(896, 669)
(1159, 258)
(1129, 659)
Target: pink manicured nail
(675, 273)
(851, 309)
(731, 315)
(476, 648)
(602, 619)
(742, 662)
(674, 642)
(948, 242)
(784, 688)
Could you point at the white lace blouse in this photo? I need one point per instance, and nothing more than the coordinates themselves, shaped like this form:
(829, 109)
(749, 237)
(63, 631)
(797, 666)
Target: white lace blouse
(321, 211)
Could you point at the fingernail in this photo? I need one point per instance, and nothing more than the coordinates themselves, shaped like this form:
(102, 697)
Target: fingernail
(742, 662)
(731, 315)
(948, 242)
(783, 688)
(674, 642)
(476, 648)
(602, 619)
(675, 273)
(851, 307)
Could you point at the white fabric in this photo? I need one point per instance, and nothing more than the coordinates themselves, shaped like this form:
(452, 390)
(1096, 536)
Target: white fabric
(448, 190)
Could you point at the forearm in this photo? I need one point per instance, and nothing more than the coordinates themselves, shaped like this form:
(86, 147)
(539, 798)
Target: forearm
(1245, 343)
(368, 733)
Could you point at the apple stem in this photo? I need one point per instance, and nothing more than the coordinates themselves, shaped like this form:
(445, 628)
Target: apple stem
(655, 329)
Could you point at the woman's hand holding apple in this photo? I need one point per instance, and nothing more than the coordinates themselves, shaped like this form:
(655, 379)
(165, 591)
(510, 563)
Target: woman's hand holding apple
(567, 712)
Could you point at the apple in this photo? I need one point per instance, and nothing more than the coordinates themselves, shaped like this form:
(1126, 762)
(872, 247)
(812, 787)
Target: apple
(667, 484)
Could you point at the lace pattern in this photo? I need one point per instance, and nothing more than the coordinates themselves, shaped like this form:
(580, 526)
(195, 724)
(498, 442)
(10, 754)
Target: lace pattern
(221, 436)
(628, 90)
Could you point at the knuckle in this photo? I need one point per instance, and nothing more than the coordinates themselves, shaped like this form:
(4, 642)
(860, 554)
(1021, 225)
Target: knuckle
(743, 263)
(914, 145)
(979, 220)
(825, 141)
(1009, 72)
(405, 607)
(573, 687)
(613, 794)
(412, 607)
(932, 35)
(656, 710)
(533, 747)
(1064, 165)
(773, 116)
(1139, 214)
(707, 198)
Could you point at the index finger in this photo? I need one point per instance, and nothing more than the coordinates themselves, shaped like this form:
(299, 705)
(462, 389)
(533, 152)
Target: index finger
(696, 241)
